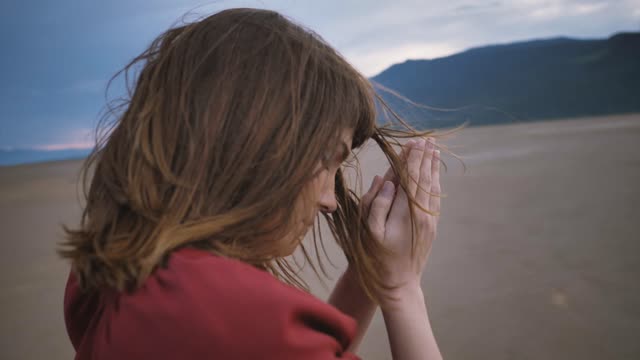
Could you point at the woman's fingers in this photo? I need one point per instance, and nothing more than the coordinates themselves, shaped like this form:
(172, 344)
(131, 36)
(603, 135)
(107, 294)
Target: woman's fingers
(390, 175)
(422, 195)
(380, 208)
(414, 161)
(418, 158)
(378, 181)
(434, 200)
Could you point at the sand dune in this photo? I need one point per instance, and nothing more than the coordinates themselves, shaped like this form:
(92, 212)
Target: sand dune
(537, 254)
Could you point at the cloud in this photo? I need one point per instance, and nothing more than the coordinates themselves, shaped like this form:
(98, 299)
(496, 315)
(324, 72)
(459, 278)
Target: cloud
(371, 34)
(546, 12)
(374, 61)
(635, 8)
(584, 9)
(376, 37)
(477, 6)
(65, 146)
(72, 139)
(558, 9)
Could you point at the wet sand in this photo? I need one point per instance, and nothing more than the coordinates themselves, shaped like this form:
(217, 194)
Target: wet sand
(536, 257)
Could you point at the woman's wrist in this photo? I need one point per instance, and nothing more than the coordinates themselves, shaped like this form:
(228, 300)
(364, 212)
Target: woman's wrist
(408, 325)
(409, 294)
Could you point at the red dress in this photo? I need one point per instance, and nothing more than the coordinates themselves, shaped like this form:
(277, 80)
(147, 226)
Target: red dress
(203, 306)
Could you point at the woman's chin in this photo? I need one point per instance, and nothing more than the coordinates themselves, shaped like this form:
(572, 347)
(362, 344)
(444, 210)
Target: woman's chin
(295, 238)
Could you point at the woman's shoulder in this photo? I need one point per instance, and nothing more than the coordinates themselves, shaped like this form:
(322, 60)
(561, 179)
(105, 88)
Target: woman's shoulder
(242, 294)
(201, 303)
(196, 283)
(219, 279)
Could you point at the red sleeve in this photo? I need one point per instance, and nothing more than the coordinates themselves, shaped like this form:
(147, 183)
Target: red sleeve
(204, 307)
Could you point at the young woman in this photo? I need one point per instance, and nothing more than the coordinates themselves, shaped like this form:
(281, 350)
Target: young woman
(231, 143)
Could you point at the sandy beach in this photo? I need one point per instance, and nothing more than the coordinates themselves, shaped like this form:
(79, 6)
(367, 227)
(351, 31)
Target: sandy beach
(537, 255)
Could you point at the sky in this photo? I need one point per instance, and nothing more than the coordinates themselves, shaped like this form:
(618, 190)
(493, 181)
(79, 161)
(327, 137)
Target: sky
(57, 56)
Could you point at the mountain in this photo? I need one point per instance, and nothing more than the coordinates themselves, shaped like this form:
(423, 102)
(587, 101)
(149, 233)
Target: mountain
(532, 80)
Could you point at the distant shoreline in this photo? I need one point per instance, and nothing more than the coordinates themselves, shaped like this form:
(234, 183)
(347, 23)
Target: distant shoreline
(31, 156)
(43, 161)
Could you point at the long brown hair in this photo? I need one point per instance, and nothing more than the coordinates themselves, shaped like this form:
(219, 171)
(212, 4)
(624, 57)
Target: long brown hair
(223, 125)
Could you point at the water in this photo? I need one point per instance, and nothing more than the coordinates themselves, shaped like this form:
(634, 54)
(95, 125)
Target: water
(29, 156)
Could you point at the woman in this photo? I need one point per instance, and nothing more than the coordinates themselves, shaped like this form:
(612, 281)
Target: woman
(231, 143)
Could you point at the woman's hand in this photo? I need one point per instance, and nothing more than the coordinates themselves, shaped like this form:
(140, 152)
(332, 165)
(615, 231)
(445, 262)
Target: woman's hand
(389, 218)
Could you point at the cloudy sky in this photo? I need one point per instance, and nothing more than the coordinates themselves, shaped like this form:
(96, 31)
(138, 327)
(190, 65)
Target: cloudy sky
(56, 56)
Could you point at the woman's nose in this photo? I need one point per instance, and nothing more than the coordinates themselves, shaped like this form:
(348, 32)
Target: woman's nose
(328, 203)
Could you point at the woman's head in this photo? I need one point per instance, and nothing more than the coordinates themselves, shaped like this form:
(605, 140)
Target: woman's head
(318, 195)
(231, 140)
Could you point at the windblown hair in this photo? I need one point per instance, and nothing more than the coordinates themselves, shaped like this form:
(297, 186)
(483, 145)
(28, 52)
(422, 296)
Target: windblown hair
(222, 128)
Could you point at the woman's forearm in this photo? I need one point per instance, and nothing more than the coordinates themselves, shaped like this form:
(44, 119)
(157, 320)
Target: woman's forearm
(408, 327)
(351, 299)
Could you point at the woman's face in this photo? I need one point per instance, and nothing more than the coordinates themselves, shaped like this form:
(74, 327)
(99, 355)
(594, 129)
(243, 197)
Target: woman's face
(321, 190)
